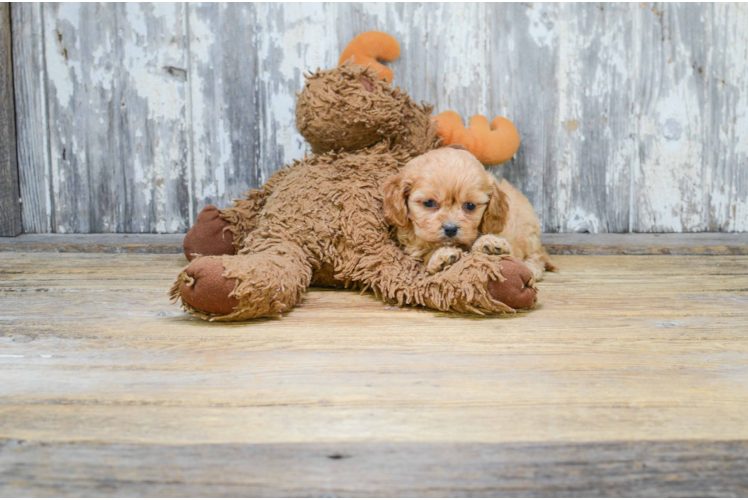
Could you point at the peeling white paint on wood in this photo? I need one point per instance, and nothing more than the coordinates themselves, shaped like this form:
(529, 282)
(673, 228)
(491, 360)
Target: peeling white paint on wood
(671, 134)
(290, 42)
(727, 170)
(633, 117)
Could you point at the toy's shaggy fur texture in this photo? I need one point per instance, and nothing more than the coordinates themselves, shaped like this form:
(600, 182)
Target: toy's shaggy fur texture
(320, 220)
(338, 111)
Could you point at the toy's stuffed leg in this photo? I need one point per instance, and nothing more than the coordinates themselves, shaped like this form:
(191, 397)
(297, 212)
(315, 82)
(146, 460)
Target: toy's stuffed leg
(477, 283)
(221, 232)
(267, 282)
(210, 235)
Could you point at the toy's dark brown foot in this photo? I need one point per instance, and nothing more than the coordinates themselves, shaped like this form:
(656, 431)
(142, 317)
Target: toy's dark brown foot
(207, 236)
(206, 289)
(517, 290)
(251, 285)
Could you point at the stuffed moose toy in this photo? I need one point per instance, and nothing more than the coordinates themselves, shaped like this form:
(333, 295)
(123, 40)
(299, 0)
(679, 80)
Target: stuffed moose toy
(320, 220)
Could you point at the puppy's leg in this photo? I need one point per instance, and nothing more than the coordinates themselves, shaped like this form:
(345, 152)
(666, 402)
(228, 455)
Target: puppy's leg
(536, 266)
(549, 265)
(492, 245)
(443, 258)
(538, 263)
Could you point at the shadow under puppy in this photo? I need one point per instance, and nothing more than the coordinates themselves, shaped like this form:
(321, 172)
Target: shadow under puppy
(443, 203)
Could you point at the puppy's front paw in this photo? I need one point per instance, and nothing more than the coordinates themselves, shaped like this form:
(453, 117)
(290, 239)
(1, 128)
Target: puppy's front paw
(492, 245)
(443, 258)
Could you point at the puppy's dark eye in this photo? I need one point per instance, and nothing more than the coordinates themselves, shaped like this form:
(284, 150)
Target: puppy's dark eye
(469, 206)
(429, 203)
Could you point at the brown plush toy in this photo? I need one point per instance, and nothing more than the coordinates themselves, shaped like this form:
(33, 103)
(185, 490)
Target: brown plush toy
(320, 220)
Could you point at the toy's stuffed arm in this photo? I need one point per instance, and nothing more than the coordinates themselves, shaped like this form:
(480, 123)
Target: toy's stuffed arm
(369, 47)
(491, 145)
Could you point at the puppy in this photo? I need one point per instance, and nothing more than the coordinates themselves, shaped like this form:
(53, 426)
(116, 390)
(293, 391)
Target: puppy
(444, 203)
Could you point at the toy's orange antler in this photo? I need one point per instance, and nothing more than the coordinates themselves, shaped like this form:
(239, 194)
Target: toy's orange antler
(491, 146)
(367, 47)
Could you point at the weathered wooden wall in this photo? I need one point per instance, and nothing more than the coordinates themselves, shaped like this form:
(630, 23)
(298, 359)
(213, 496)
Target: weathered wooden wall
(633, 117)
(10, 208)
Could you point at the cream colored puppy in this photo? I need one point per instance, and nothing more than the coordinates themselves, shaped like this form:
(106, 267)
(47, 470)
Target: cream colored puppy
(444, 203)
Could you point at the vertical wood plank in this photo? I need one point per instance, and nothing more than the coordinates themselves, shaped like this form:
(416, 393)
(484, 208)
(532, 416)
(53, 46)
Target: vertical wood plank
(223, 102)
(522, 67)
(65, 52)
(449, 83)
(727, 175)
(292, 38)
(671, 104)
(118, 125)
(29, 76)
(10, 207)
(587, 188)
(154, 123)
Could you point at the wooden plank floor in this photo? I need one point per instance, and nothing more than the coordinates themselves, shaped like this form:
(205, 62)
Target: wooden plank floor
(630, 378)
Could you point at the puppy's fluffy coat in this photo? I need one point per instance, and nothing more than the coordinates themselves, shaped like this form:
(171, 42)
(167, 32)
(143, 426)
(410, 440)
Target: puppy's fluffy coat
(444, 202)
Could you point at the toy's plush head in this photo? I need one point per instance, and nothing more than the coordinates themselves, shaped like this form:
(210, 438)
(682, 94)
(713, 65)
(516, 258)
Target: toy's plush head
(348, 108)
(353, 107)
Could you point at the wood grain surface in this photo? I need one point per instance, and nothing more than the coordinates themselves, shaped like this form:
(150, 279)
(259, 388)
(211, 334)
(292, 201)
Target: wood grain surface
(629, 378)
(10, 198)
(37, 190)
(610, 469)
(632, 115)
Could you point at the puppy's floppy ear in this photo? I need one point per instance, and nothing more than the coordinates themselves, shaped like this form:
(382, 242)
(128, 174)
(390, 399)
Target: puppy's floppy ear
(395, 191)
(497, 211)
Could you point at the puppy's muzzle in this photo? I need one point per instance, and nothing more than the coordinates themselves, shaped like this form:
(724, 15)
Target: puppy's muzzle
(450, 229)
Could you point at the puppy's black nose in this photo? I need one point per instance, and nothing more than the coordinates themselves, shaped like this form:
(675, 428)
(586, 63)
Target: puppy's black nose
(450, 229)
